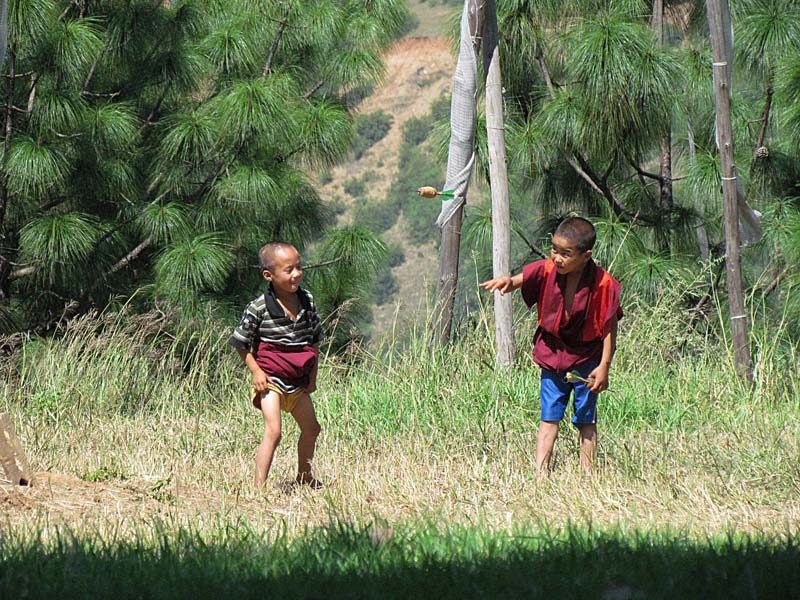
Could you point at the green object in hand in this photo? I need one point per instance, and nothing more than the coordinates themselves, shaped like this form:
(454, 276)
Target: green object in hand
(573, 376)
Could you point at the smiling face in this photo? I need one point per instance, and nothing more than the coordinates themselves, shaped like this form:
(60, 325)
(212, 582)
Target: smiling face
(567, 257)
(285, 270)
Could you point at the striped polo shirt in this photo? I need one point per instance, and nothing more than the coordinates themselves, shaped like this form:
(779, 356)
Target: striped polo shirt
(265, 320)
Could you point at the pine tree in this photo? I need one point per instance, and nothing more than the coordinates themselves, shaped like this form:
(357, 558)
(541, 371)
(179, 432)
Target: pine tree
(591, 96)
(151, 148)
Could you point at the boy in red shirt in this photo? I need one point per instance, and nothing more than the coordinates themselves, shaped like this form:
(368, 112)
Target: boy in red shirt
(577, 303)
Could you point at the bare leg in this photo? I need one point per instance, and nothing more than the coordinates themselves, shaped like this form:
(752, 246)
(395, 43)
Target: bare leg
(588, 440)
(545, 442)
(271, 409)
(306, 418)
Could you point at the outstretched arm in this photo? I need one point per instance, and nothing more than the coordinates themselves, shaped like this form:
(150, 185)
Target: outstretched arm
(504, 284)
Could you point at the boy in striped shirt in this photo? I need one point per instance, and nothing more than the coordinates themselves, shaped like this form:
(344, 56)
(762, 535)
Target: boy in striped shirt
(278, 339)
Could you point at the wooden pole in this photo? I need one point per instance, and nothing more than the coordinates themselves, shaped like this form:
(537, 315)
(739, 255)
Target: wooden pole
(718, 16)
(449, 248)
(12, 457)
(665, 183)
(498, 176)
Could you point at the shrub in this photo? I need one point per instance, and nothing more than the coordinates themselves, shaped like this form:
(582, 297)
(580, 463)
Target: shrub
(357, 94)
(376, 215)
(417, 129)
(440, 109)
(337, 206)
(370, 129)
(396, 255)
(355, 188)
(386, 286)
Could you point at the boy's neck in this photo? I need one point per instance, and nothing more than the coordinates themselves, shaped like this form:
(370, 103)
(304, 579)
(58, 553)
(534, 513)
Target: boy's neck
(575, 276)
(282, 295)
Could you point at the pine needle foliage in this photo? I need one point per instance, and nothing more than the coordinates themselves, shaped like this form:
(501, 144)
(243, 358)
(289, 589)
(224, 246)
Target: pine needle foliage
(166, 142)
(591, 98)
(60, 246)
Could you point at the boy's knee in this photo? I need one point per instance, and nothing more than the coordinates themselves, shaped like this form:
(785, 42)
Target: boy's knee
(314, 429)
(273, 436)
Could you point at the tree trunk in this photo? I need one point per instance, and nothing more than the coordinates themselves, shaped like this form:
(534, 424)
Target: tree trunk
(762, 133)
(8, 130)
(463, 112)
(448, 278)
(665, 183)
(3, 30)
(498, 176)
(700, 228)
(658, 21)
(717, 16)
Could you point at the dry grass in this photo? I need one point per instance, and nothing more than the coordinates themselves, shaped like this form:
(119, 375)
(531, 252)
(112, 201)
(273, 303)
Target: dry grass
(406, 438)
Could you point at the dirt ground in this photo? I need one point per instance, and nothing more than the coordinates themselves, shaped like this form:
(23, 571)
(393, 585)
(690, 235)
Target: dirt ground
(57, 499)
(68, 497)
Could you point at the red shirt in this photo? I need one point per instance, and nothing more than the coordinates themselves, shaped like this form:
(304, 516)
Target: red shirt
(562, 344)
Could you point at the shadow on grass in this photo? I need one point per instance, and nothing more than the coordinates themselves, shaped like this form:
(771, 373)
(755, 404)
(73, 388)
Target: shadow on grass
(348, 561)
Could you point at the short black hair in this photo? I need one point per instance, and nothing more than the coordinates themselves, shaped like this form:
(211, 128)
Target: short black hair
(266, 255)
(579, 231)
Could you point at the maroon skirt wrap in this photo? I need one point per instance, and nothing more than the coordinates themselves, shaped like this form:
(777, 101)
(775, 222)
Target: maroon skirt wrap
(293, 364)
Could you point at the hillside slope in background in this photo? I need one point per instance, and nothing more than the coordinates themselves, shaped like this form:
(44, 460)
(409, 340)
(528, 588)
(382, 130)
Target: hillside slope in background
(419, 70)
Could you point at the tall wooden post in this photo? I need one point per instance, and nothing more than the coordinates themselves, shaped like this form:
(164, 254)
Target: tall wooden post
(449, 252)
(498, 176)
(718, 17)
(459, 166)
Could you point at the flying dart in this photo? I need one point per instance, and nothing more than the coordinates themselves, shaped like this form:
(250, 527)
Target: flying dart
(431, 192)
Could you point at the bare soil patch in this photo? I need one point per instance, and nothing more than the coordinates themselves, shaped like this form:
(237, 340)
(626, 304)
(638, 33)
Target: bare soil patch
(69, 498)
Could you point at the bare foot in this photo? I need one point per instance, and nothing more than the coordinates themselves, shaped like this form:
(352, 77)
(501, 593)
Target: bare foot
(308, 479)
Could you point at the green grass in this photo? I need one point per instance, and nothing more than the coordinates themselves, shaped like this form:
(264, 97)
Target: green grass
(695, 492)
(346, 561)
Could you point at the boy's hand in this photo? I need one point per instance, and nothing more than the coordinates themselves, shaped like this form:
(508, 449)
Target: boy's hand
(499, 284)
(312, 380)
(260, 381)
(599, 379)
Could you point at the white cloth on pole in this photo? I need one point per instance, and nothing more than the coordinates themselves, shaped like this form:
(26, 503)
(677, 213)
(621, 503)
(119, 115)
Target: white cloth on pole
(463, 116)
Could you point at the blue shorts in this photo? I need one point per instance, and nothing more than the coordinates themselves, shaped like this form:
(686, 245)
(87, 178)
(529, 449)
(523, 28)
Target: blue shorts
(555, 393)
